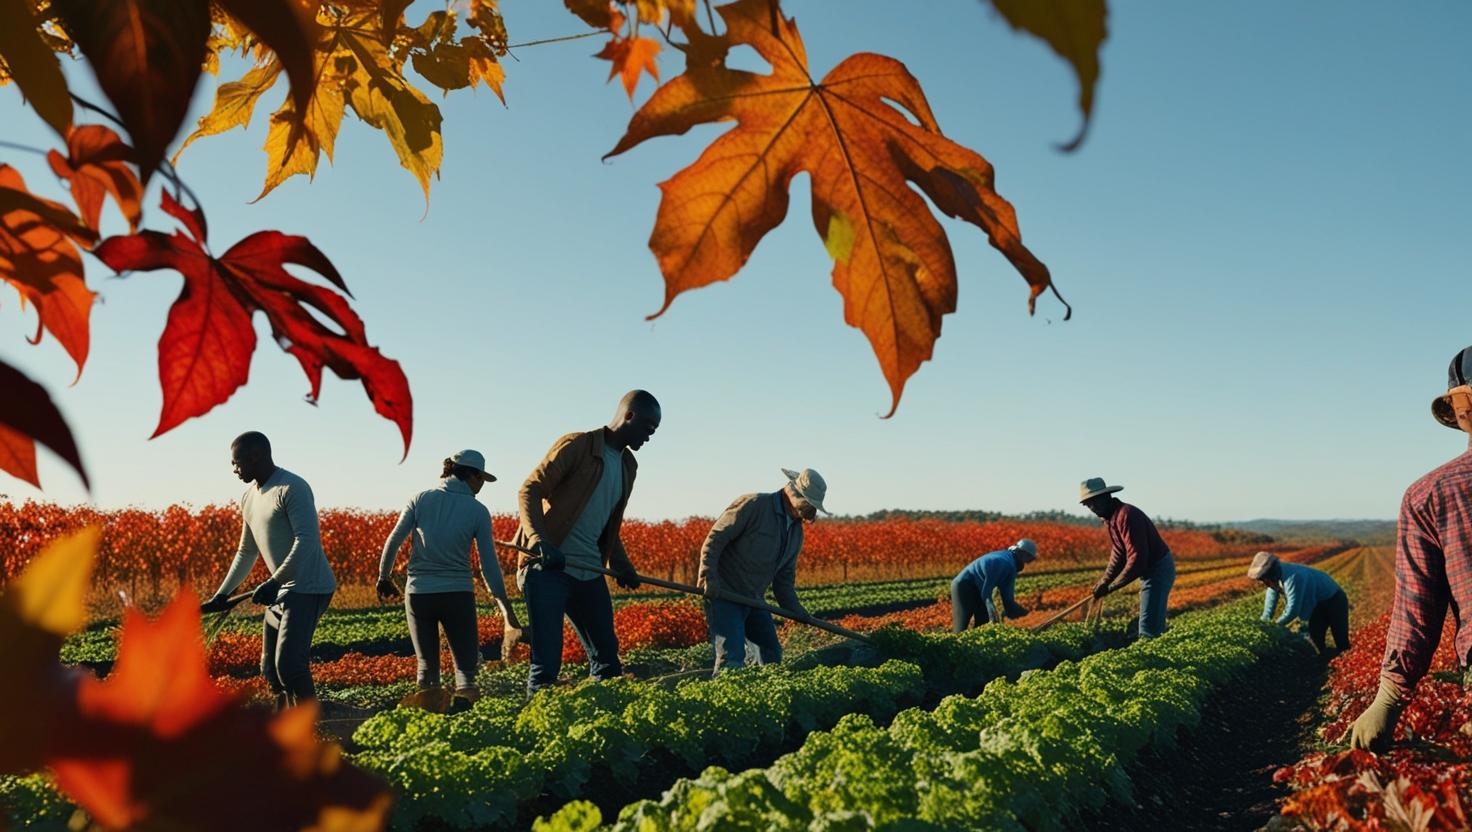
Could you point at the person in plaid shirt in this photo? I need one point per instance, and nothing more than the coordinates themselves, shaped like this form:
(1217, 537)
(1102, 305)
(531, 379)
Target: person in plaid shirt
(1433, 569)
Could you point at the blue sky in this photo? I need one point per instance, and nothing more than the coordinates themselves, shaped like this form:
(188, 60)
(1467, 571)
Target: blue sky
(1264, 240)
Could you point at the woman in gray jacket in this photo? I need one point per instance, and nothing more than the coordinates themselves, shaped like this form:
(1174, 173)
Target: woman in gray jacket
(440, 592)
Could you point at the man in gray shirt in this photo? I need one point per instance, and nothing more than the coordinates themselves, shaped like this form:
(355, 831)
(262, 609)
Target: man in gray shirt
(279, 524)
(754, 545)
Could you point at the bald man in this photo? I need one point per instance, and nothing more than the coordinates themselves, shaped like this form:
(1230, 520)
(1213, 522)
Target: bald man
(279, 523)
(572, 508)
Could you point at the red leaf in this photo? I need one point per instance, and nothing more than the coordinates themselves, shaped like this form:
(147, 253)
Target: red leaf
(29, 413)
(97, 164)
(147, 56)
(204, 353)
(18, 456)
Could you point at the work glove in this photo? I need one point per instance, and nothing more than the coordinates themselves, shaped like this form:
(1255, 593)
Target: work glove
(627, 578)
(1375, 728)
(219, 603)
(552, 557)
(1101, 589)
(387, 590)
(266, 593)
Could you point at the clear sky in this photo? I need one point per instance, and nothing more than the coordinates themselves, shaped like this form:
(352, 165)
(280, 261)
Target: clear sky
(1264, 239)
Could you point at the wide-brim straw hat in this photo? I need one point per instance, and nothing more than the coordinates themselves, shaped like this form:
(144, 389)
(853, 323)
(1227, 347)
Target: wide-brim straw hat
(1093, 487)
(809, 485)
(1261, 563)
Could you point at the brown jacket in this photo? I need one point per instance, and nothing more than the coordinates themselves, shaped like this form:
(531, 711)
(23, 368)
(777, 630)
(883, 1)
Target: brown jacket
(555, 492)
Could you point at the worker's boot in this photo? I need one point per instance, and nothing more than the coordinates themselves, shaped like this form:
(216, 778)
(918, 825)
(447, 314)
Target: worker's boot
(463, 699)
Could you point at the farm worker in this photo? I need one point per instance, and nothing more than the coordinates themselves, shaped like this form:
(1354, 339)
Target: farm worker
(754, 545)
(1433, 570)
(279, 523)
(572, 507)
(440, 591)
(971, 591)
(1135, 551)
(1308, 593)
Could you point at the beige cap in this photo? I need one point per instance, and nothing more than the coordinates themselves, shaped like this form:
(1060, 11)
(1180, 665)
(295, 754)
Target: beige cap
(472, 459)
(1093, 487)
(1026, 548)
(1261, 563)
(809, 485)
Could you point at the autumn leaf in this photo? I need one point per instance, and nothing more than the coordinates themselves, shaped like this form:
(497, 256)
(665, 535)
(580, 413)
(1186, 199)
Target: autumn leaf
(160, 746)
(39, 608)
(291, 34)
(39, 258)
(96, 164)
(205, 350)
(33, 65)
(630, 57)
(1075, 31)
(866, 136)
(28, 416)
(147, 56)
(600, 14)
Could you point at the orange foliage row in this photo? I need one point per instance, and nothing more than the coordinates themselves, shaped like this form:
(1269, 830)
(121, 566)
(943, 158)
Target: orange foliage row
(180, 544)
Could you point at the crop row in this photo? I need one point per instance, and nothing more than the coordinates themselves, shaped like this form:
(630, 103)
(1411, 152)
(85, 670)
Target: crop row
(502, 754)
(156, 549)
(1029, 754)
(1426, 775)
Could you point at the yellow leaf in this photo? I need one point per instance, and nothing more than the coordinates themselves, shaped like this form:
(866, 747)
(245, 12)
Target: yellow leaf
(379, 95)
(51, 593)
(485, 68)
(235, 102)
(295, 143)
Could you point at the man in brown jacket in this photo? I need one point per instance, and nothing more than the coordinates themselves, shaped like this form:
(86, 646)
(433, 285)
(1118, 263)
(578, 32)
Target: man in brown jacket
(572, 507)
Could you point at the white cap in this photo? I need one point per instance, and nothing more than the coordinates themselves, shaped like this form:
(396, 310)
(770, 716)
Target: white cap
(473, 459)
(1025, 547)
(1261, 563)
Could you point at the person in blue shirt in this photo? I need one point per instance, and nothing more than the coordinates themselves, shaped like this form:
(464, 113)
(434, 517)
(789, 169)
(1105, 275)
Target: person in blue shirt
(1308, 594)
(971, 591)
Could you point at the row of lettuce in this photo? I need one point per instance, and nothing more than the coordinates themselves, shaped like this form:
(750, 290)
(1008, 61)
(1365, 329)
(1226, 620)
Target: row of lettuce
(1027, 754)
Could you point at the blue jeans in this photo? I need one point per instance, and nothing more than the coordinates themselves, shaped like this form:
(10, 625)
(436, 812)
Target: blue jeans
(732, 625)
(286, 645)
(549, 596)
(1154, 593)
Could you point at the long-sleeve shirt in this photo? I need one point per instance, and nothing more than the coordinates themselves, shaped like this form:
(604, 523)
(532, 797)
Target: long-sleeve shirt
(279, 523)
(1433, 571)
(995, 572)
(753, 545)
(443, 521)
(1134, 545)
(555, 495)
(1304, 588)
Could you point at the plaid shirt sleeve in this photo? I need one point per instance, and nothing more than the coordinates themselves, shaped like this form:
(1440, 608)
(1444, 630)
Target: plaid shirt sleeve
(1422, 586)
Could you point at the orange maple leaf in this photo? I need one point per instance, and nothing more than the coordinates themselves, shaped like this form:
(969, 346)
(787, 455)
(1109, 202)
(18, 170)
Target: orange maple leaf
(865, 135)
(96, 164)
(629, 58)
(158, 744)
(39, 258)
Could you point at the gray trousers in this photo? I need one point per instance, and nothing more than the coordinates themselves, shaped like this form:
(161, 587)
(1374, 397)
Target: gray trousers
(455, 611)
(286, 645)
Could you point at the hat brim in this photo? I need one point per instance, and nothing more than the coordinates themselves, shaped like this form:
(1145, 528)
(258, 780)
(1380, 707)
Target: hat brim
(1107, 490)
(1441, 411)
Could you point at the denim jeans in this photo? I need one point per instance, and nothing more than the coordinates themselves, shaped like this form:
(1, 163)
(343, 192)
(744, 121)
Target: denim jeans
(549, 596)
(286, 645)
(732, 626)
(1154, 594)
(455, 612)
(967, 604)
